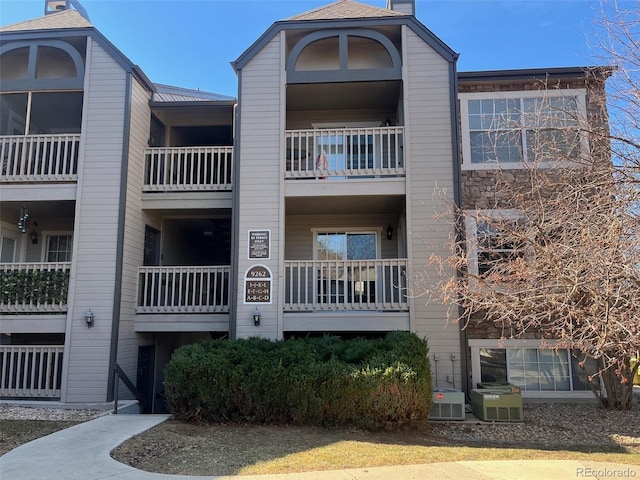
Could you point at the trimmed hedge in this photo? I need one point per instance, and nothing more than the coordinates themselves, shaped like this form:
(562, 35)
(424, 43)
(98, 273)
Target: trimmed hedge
(370, 383)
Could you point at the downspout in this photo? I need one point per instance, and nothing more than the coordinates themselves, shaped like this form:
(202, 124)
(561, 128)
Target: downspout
(117, 292)
(235, 217)
(457, 197)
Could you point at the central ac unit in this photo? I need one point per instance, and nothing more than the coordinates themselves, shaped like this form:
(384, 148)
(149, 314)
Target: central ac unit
(448, 404)
(496, 405)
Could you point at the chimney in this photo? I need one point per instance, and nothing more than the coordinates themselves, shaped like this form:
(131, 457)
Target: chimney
(54, 6)
(408, 7)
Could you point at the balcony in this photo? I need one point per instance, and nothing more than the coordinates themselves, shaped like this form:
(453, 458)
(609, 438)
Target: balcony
(34, 288)
(31, 371)
(188, 169)
(337, 285)
(183, 289)
(39, 158)
(344, 153)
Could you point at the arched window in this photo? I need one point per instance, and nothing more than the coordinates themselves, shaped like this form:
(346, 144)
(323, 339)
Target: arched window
(41, 65)
(343, 55)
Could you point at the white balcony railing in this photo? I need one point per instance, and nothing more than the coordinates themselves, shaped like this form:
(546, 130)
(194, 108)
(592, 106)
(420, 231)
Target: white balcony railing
(34, 287)
(188, 169)
(31, 371)
(345, 285)
(200, 289)
(344, 153)
(39, 158)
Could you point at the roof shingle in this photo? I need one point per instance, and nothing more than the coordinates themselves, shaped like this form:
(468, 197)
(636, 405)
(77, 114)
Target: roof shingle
(65, 19)
(343, 9)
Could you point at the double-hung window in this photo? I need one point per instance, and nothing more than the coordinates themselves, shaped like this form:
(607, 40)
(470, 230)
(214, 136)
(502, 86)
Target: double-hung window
(58, 248)
(513, 129)
(488, 240)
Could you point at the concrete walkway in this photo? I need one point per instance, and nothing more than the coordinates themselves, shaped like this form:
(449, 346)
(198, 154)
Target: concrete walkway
(82, 453)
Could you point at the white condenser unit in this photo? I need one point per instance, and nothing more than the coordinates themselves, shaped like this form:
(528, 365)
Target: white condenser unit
(448, 404)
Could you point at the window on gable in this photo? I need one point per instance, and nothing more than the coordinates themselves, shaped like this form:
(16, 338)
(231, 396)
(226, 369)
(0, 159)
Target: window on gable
(509, 128)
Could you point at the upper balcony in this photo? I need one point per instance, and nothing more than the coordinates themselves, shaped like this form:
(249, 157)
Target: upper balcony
(39, 158)
(344, 153)
(188, 169)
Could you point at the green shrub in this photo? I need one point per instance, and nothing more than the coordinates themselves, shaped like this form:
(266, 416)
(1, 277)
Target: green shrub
(371, 383)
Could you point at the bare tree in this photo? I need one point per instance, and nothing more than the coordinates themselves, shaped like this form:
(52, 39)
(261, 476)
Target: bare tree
(564, 263)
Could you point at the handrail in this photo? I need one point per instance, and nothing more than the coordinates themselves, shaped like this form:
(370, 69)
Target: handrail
(118, 373)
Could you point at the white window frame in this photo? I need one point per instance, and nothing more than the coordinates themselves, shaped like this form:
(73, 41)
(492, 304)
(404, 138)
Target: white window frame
(45, 243)
(8, 230)
(471, 231)
(579, 93)
(476, 344)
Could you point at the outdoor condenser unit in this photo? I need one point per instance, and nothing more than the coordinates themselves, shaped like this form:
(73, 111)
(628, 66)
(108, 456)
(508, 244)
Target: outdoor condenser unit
(448, 404)
(496, 405)
(510, 387)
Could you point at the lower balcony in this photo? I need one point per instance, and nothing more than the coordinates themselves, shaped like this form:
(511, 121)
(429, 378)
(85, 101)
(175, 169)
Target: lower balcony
(337, 295)
(33, 297)
(183, 298)
(33, 372)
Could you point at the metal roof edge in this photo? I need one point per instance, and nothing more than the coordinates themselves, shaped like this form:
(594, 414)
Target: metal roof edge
(535, 73)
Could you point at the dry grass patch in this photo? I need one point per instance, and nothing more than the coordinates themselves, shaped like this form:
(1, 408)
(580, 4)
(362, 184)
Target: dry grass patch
(178, 448)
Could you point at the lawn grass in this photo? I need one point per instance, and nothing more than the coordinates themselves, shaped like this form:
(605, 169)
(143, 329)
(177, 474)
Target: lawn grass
(350, 454)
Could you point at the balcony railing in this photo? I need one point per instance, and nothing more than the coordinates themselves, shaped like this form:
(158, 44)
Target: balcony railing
(344, 153)
(201, 289)
(34, 287)
(345, 285)
(39, 158)
(31, 371)
(170, 169)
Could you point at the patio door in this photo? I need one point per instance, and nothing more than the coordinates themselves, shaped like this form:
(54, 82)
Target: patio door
(10, 243)
(344, 147)
(344, 275)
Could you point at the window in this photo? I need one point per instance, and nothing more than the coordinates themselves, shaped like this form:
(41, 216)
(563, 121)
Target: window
(487, 245)
(58, 248)
(533, 369)
(37, 113)
(508, 129)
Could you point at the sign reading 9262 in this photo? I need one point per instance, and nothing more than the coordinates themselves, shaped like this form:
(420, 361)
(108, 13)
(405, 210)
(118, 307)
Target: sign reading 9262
(257, 285)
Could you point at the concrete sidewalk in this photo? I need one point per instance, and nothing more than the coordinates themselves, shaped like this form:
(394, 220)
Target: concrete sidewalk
(82, 453)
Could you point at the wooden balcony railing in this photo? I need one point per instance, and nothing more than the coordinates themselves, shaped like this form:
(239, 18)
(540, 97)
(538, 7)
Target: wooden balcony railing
(39, 158)
(201, 289)
(344, 153)
(188, 169)
(34, 287)
(31, 371)
(345, 285)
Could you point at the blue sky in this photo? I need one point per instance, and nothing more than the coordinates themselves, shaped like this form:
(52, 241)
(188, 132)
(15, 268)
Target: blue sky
(190, 44)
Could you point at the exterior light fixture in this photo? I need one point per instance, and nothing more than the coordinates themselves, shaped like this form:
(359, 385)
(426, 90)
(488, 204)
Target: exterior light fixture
(389, 232)
(89, 318)
(387, 123)
(34, 237)
(256, 317)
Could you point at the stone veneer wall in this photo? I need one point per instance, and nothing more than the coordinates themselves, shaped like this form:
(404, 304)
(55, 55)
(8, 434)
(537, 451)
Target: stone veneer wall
(481, 188)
